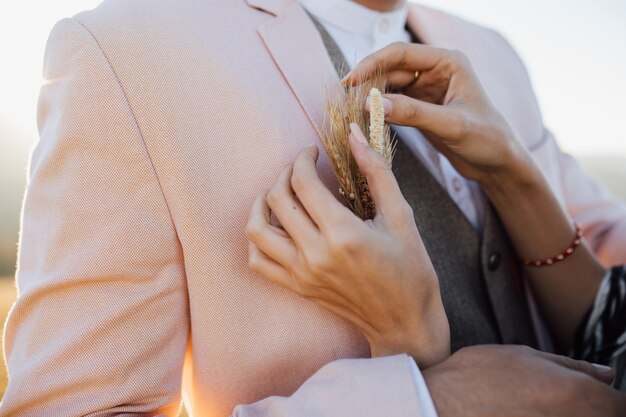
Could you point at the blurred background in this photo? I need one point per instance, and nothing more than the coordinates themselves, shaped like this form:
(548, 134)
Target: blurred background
(574, 50)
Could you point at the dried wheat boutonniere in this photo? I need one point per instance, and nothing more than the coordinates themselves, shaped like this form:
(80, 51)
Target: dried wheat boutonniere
(345, 106)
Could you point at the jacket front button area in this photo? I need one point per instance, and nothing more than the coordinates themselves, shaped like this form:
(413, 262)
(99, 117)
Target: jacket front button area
(495, 259)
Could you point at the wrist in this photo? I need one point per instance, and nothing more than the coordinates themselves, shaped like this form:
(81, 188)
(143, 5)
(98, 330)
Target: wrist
(517, 178)
(425, 337)
(439, 386)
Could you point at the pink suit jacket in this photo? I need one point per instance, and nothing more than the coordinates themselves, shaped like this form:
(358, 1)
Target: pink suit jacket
(160, 122)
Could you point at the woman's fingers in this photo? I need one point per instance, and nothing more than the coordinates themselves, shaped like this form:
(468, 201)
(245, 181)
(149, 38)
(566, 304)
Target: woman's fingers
(382, 183)
(262, 264)
(316, 199)
(397, 56)
(399, 79)
(269, 238)
(600, 372)
(442, 121)
(287, 208)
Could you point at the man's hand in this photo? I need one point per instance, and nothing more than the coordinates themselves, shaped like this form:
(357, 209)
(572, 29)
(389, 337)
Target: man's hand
(519, 381)
(374, 273)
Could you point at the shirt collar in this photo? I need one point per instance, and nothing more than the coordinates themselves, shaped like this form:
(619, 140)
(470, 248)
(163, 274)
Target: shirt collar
(358, 20)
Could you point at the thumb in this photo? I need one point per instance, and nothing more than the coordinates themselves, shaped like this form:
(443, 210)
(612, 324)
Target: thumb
(382, 183)
(600, 372)
(402, 110)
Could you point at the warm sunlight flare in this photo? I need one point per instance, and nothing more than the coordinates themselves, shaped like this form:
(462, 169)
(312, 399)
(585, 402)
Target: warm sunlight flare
(23, 50)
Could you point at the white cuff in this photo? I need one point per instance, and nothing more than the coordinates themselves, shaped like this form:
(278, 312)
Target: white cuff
(427, 407)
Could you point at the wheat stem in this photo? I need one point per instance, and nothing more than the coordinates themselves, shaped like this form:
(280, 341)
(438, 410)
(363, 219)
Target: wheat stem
(377, 121)
(344, 106)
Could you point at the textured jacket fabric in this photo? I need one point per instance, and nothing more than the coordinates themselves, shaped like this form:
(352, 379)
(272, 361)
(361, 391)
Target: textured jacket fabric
(160, 121)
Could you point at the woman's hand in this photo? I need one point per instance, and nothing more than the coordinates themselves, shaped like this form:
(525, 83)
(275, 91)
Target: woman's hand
(447, 102)
(375, 273)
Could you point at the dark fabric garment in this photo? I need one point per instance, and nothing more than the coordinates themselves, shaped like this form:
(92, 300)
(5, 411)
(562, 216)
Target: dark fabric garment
(601, 337)
(482, 295)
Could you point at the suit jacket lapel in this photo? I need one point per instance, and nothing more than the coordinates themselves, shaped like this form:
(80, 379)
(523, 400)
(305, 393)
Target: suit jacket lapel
(419, 26)
(298, 51)
(433, 27)
(293, 40)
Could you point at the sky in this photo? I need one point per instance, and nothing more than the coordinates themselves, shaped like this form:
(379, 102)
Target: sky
(575, 51)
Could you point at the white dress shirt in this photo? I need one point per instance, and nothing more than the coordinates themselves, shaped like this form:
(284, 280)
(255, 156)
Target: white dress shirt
(359, 31)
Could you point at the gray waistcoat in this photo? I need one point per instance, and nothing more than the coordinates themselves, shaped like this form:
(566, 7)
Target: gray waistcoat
(481, 290)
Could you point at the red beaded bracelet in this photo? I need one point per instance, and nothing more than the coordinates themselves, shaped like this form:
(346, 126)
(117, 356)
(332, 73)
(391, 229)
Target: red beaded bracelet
(561, 256)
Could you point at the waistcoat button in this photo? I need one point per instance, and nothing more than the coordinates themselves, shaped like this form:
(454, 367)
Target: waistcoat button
(495, 259)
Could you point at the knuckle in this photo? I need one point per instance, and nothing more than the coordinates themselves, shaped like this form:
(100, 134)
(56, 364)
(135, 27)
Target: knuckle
(479, 352)
(579, 365)
(318, 263)
(457, 56)
(473, 350)
(521, 350)
(462, 126)
(370, 61)
(513, 352)
(303, 290)
(343, 242)
(463, 59)
(273, 196)
(464, 351)
(572, 363)
(467, 354)
(298, 180)
(307, 288)
(451, 56)
(252, 230)
(397, 47)
(254, 262)
(400, 49)
(309, 284)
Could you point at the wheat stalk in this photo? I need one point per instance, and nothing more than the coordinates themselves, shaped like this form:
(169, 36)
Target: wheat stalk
(377, 120)
(345, 106)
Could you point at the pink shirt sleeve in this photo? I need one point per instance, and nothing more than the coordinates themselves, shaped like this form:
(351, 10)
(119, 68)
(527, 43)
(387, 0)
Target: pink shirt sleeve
(601, 215)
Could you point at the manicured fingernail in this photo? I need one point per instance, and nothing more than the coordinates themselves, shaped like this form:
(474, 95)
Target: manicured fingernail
(346, 77)
(358, 134)
(602, 368)
(386, 105)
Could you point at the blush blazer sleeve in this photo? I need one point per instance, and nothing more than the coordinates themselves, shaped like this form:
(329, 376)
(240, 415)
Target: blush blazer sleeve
(101, 323)
(601, 215)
